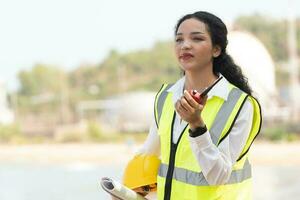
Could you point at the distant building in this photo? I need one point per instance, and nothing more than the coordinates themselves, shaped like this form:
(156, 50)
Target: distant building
(6, 114)
(257, 65)
(128, 112)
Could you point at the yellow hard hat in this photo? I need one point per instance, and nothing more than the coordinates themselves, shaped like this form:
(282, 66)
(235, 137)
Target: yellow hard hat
(141, 171)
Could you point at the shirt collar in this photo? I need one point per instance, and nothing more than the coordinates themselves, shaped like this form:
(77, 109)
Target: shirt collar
(221, 89)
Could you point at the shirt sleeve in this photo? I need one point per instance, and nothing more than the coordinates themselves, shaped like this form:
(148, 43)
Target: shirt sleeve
(216, 162)
(151, 145)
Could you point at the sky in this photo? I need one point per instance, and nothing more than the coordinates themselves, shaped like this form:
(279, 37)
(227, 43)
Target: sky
(67, 33)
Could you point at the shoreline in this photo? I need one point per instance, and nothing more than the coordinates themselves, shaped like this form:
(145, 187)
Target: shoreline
(261, 153)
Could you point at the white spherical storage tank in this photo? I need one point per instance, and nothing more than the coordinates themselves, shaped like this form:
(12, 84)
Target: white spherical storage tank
(257, 65)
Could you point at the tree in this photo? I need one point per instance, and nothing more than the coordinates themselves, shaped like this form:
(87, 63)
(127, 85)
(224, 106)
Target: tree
(42, 79)
(43, 88)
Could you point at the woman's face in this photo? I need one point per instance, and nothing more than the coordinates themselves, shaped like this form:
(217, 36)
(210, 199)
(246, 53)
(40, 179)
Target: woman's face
(193, 46)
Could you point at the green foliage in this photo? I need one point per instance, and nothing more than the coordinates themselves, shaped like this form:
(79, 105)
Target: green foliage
(42, 79)
(41, 89)
(274, 133)
(143, 69)
(281, 132)
(70, 137)
(94, 131)
(9, 133)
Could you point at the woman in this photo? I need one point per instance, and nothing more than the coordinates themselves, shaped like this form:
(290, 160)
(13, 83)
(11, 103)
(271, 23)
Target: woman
(204, 147)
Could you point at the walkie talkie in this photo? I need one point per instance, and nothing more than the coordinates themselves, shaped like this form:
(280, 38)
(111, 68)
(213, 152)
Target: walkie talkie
(198, 96)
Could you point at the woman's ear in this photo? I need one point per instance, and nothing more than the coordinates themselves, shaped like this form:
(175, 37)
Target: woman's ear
(216, 51)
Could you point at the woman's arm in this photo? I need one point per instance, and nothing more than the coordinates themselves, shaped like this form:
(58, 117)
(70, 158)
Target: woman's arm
(216, 162)
(151, 145)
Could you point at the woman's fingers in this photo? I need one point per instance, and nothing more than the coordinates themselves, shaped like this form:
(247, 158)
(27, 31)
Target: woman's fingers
(179, 109)
(190, 99)
(186, 105)
(140, 191)
(186, 112)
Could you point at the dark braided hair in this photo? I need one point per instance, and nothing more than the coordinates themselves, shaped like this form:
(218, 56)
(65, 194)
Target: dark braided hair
(223, 64)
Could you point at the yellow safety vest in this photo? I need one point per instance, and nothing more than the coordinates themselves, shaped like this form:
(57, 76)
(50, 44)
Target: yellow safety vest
(180, 175)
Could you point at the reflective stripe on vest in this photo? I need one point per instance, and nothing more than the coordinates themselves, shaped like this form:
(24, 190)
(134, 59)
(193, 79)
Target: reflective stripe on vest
(223, 115)
(198, 179)
(160, 101)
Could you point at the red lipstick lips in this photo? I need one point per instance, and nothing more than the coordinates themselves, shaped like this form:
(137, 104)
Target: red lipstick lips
(186, 56)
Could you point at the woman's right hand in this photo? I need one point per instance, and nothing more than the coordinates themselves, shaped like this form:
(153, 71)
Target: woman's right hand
(190, 110)
(141, 191)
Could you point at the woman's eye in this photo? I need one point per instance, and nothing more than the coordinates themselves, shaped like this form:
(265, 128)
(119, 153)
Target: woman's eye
(197, 39)
(178, 40)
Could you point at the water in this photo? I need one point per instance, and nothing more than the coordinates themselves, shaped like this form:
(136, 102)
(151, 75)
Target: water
(80, 181)
(54, 182)
(276, 182)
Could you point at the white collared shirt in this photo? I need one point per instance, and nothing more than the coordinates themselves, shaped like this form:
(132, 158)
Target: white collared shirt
(216, 162)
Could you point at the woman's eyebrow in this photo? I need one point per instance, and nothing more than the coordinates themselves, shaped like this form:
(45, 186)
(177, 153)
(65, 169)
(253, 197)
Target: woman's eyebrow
(197, 32)
(192, 33)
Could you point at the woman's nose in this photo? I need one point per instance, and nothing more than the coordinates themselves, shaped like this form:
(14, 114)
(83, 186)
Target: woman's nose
(186, 45)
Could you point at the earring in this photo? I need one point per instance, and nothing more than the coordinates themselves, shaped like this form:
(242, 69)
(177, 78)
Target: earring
(215, 55)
